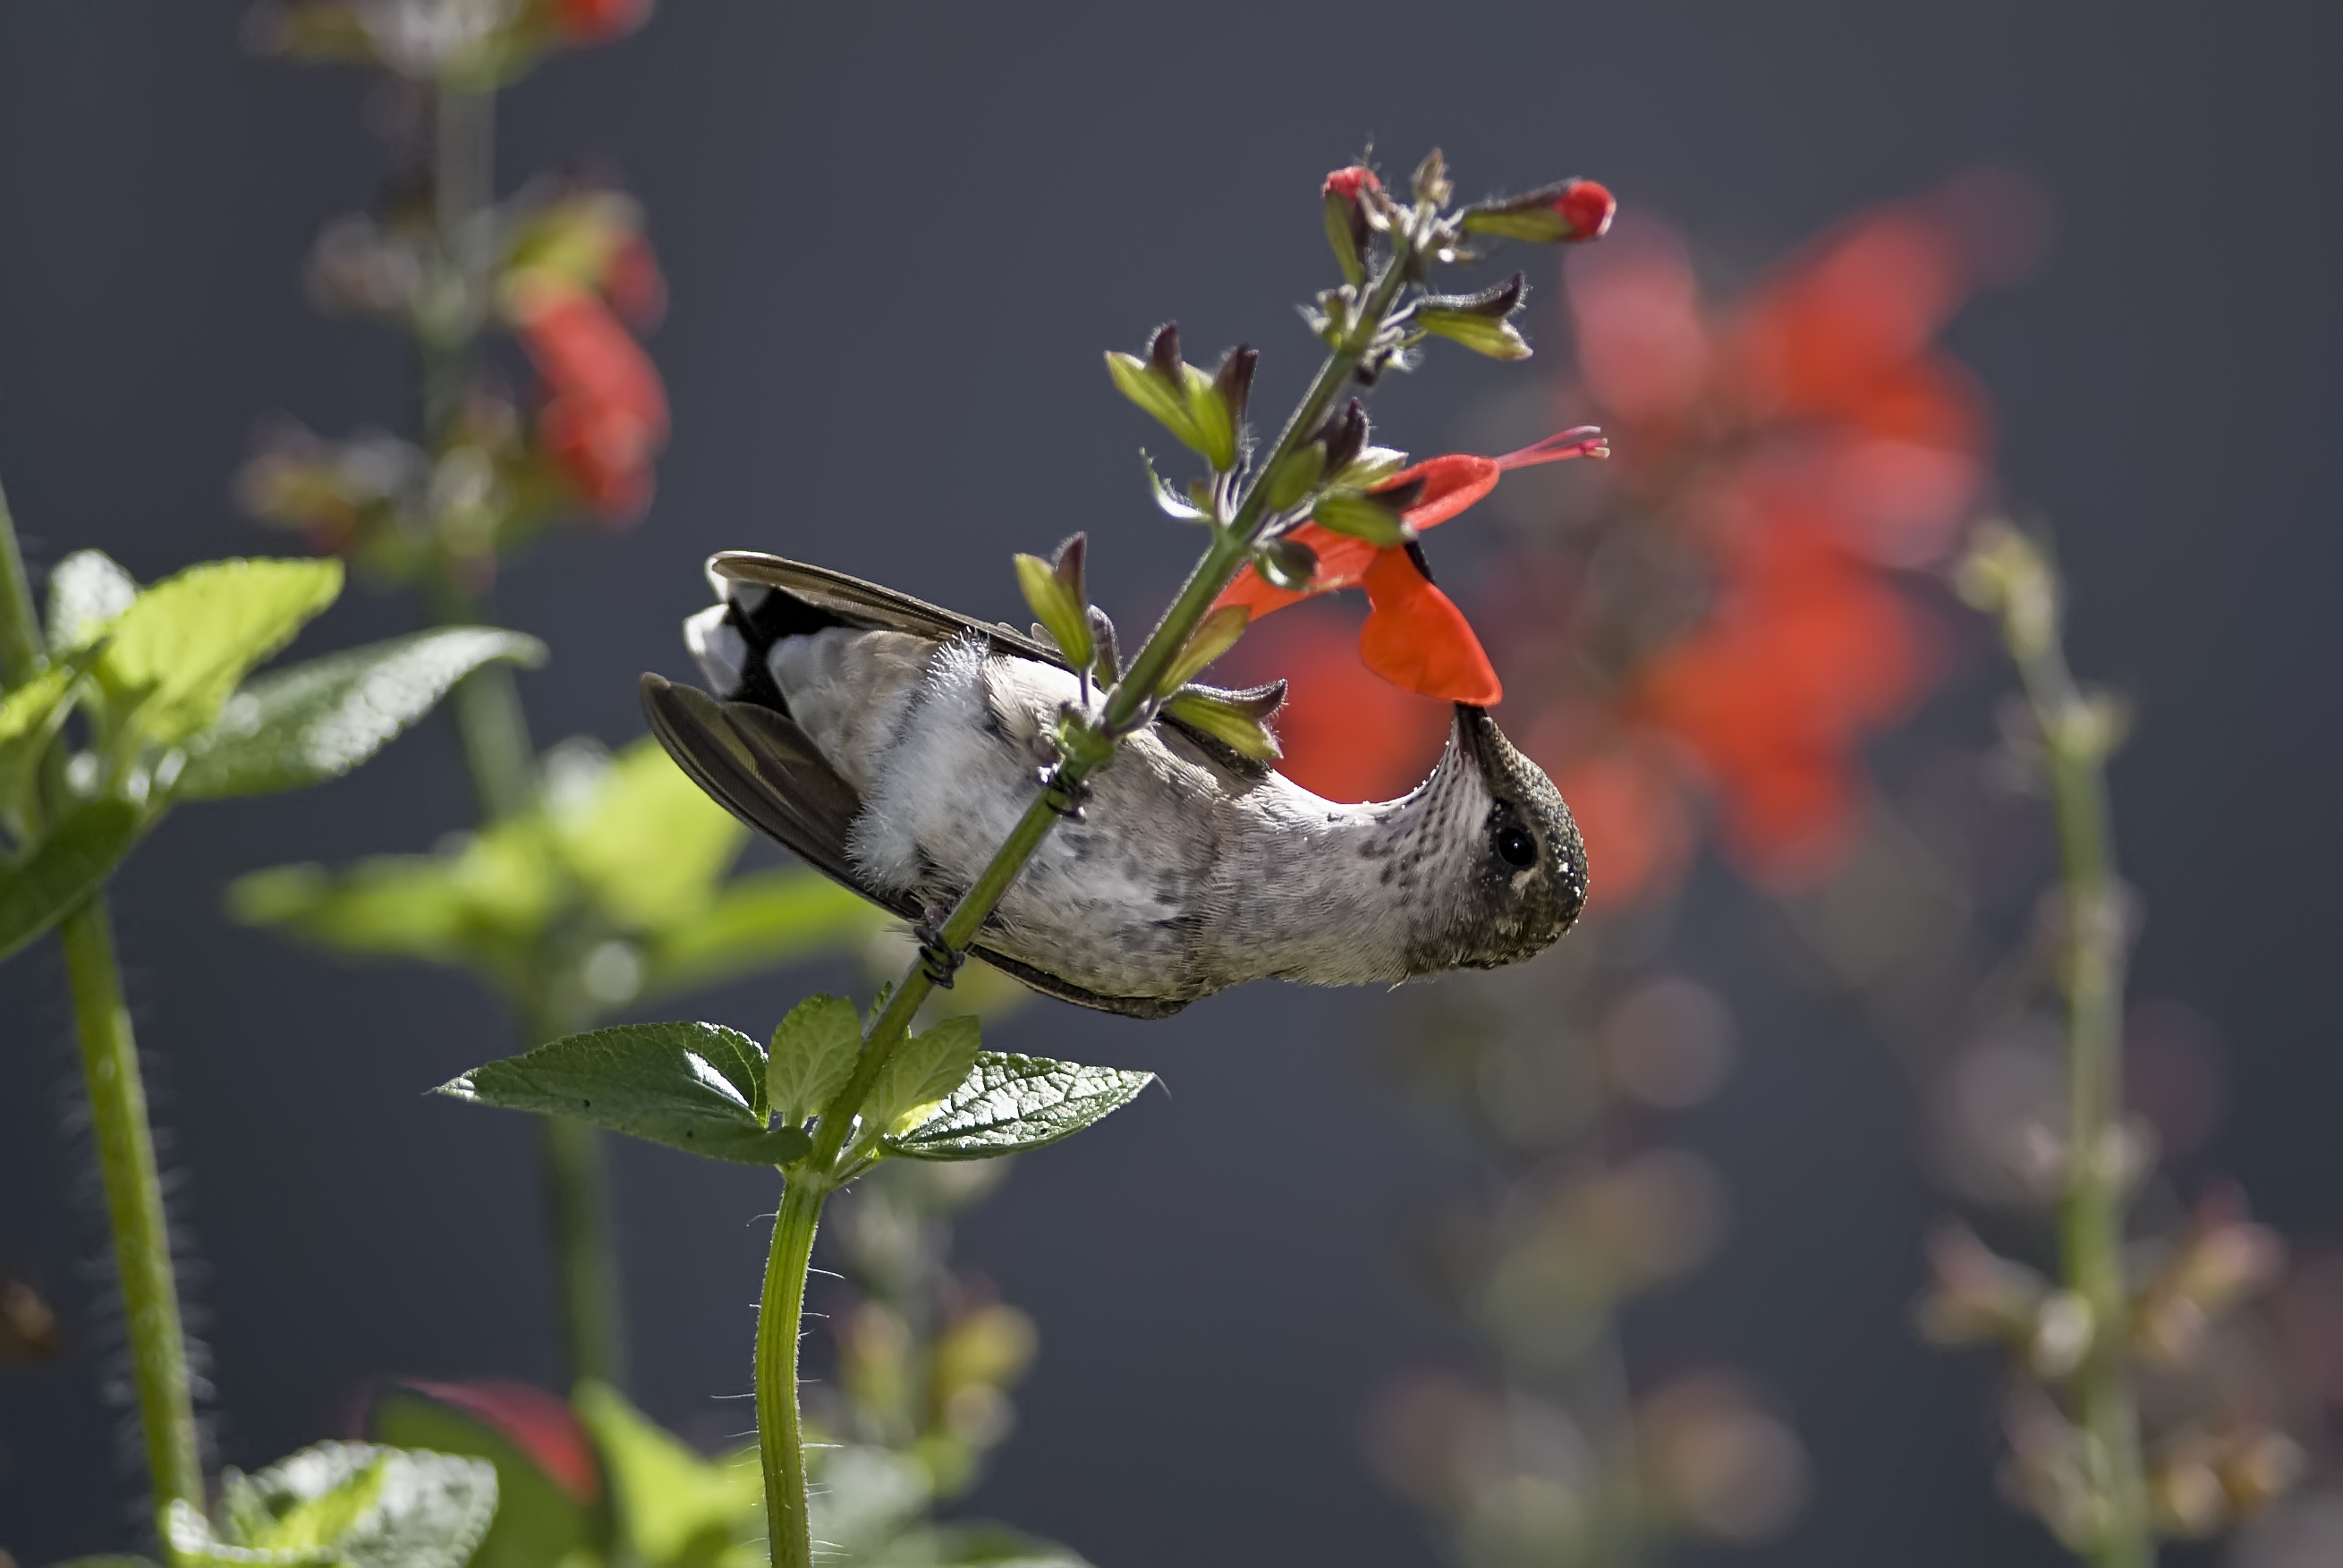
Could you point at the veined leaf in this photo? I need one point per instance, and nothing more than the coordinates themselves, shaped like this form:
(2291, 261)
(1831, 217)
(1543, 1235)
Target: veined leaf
(813, 1055)
(698, 1087)
(64, 869)
(1010, 1103)
(180, 650)
(344, 1504)
(320, 719)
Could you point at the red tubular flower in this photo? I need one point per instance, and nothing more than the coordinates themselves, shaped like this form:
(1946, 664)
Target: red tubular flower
(1415, 637)
(539, 1425)
(606, 418)
(585, 22)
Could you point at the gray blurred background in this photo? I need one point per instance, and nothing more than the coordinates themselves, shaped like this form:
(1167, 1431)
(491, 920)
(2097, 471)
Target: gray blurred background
(1001, 193)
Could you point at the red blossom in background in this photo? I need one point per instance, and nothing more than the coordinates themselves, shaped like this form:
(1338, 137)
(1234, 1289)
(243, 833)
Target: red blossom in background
(1725, 623)
(605, 415)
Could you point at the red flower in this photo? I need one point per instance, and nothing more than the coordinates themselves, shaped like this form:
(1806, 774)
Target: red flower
(1415, 636)
(598, 21)
(606, 418)
(1588, 208)
(539, 1425)
(1352, 182)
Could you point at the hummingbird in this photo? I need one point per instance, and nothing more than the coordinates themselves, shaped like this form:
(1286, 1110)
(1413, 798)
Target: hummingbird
(893, 744)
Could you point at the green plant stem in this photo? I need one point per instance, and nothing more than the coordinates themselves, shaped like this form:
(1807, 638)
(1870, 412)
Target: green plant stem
(779, 1316)
(134, 1205)
(779, 1438)
(117, 1103)
(2092, 1214)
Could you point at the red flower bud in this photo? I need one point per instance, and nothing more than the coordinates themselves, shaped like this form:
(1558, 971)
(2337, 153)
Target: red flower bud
(598, 21)
(1572, 210)
(1352, 182)
(1588, 208)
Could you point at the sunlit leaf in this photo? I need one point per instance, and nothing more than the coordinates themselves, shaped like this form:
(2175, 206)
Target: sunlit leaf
(922, 1070)
(860, 1498)
(813, 1055)
(179, 650)
(64, 869)
(347, 1504)
(1008, 1103)
(756, 922)
(698, 1087)
(87, 592)
(979, 1545)
(318, 720)
(675, 1509)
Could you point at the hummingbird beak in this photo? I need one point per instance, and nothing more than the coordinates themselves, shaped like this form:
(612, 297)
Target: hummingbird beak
(1475, 735)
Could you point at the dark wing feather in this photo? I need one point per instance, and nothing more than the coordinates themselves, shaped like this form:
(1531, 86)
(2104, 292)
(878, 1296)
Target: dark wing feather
(761, 766)
(868, 605)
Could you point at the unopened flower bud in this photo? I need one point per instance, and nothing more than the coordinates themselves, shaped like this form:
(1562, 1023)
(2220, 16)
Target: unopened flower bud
(1179, 395)
(1059, 608)
(1235, 718)
(1348, 233)
(1572, 210)
(1343, 435)
(1362, 517)
(1496, 339)
(2062, 1336)
(1287, 563)
(1233, 381)
(1107, 669)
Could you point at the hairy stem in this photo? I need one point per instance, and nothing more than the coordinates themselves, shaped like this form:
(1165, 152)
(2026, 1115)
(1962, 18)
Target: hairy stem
(117, 1104)
(777, 1389)
(2092, 1213)
(780, 1318)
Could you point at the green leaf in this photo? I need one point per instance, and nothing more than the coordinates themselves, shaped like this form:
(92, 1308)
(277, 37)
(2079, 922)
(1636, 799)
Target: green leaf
(924, 1070)
(976, 1545)
(481, 907)
(647, 842)
(755, 922)
(179, 650)
(813, 1055)
(87, 593)
(30, 717)
(675, 1509)
(318, 720)
(698, 1087)
(347, 1504)
(64, 869)
(1362, 517)
(1066, 618)
(862, 1497)
(539, 1520)
(1010, 1103)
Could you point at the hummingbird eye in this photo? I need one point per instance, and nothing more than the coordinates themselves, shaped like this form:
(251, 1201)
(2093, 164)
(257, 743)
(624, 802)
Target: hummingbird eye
(1514, 845)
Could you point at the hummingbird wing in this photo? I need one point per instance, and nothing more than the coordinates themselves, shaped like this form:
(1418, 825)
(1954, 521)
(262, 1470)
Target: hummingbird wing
(763, 769)
(870, 608)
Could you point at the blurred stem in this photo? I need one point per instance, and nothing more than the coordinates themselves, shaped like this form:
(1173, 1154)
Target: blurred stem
(117, 1106)
(493, 724)
(812, 1178)
(134, 1206)
(2076, 739)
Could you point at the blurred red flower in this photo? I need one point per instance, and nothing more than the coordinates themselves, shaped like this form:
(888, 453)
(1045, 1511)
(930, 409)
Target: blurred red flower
(598, 21)
(605, 415)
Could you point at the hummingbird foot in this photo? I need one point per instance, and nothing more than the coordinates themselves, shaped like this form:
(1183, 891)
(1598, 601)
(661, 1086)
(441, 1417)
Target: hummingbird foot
(938, 960)
(1064, 795)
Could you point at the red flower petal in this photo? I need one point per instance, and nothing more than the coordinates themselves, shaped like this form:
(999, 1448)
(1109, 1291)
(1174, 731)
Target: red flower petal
(1342, 562)
(1417, 638)
(1451, 484)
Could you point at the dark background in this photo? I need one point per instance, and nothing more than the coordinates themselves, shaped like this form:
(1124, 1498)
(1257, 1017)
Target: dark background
(897, 238)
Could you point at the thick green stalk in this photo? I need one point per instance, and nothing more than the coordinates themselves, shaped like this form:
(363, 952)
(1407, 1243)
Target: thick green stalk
(2091, 1220)
(118, 1103)
(779, 1317)
(777, 1388)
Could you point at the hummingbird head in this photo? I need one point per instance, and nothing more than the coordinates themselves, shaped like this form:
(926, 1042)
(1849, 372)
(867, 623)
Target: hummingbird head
(1510, 875)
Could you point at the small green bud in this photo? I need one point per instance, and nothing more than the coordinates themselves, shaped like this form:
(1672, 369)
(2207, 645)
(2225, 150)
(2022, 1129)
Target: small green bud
(1362, 517)
(1215, 637)
(1057, 605)
(1287, 563)
(1571, 210)
(1107, 669)
(1370, 468)
(1295, 476)
(1229, 720)
(1135, 381)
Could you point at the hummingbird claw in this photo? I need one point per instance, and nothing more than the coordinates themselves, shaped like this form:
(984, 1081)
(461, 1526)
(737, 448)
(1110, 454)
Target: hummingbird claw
(1064, 795)
(939, 961)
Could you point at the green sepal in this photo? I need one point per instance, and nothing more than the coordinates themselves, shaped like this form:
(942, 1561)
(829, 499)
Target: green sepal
(1137, 380)
(1064, 616)
(1370, 468)
(1007, 1104)
(1491, 335)
(1225, 722)
(318, 720)
(62, 872)
(697, 1087)
(813, 1055)
(1341, 240)
(1540, 225)
(1295, 476)
(1215, 637)
(1362, 517)
(1287, 563)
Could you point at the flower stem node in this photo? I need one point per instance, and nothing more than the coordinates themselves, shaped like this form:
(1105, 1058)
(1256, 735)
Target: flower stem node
(1569, 211)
